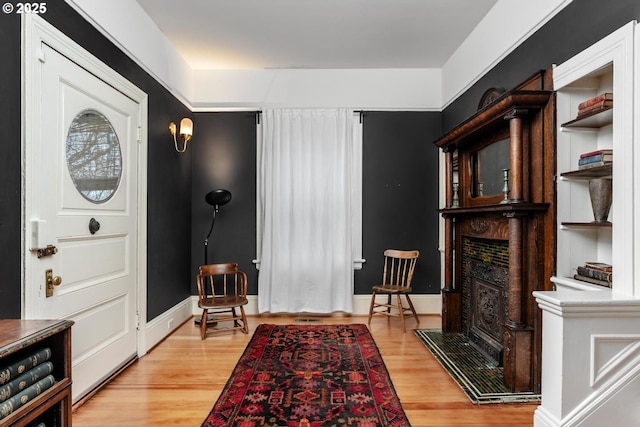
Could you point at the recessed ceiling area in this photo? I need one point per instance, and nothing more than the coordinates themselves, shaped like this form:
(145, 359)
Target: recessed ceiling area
(316, 34)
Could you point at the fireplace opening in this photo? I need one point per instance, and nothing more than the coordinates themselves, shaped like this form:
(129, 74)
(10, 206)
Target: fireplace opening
(485, 279)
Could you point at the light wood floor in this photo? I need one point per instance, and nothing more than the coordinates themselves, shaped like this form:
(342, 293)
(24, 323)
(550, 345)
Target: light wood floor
(178, 382)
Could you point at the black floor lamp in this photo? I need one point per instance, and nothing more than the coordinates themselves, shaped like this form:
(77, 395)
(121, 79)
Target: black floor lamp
(215, 198)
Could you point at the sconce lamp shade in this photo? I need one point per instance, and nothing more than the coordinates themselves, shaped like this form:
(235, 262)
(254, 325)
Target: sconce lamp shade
(218, 197)
(186, 132)
(186, 128)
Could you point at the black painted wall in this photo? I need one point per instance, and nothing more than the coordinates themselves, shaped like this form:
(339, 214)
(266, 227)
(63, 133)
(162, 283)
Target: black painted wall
(10, 169)
(400, 195)
(224, 156)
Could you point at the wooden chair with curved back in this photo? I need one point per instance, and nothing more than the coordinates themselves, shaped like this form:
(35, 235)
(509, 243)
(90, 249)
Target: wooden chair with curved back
(222, 290)
(396, 280)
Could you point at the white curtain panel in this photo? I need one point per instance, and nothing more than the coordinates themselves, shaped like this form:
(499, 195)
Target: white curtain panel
(305, 162)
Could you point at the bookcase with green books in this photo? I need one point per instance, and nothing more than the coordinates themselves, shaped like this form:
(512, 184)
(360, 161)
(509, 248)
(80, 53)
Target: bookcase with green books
(35, 373)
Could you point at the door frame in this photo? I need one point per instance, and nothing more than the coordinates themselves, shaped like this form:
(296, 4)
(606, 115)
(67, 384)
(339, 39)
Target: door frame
(35, 31)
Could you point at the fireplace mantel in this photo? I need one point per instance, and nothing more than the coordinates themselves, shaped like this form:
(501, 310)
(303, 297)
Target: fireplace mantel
(504, 209)
(499, 196)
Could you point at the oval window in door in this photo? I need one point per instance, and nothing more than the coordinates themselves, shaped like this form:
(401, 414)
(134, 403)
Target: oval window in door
(93, 156)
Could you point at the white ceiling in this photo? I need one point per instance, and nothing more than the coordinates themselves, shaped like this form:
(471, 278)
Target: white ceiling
(317, 34)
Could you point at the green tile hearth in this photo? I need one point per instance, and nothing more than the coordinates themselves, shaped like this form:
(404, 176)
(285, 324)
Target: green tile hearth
(476, 374)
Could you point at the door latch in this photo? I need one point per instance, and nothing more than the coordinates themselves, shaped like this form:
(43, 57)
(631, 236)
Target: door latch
(48, 251)
(51, 281)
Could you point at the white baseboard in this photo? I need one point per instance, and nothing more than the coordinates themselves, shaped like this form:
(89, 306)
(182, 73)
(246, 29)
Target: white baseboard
(424, 304)
(160, 327)
(543, 418)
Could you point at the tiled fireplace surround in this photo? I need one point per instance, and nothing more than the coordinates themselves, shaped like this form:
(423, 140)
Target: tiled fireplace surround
(485, 276)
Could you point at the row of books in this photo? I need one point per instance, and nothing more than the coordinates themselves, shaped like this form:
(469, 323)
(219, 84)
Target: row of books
(601, 102)
(595, 158)
(25, 379)
(597, 273)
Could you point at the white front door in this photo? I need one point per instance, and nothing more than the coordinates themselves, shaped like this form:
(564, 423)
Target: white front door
(81, 198)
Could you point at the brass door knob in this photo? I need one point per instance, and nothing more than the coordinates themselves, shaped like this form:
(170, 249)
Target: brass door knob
(51, 281)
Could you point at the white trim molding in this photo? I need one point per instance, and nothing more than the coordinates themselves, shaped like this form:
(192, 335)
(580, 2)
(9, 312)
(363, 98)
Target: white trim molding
(163, 325)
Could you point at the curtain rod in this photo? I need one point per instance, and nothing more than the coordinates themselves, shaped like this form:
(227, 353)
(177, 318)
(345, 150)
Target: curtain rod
(360, 113)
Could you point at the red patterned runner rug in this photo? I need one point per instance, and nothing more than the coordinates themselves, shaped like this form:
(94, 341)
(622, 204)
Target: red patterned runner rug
(309, 376)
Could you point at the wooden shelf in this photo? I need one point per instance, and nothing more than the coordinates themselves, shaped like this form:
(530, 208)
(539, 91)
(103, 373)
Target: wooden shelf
(500, 208)
(592, 120)
(586, 174)
(588, 225)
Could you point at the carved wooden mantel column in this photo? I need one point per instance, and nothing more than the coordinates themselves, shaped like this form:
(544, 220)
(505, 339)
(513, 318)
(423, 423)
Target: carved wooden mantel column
(516, 139)
(450, 295)
(451, 298)
(518, 338)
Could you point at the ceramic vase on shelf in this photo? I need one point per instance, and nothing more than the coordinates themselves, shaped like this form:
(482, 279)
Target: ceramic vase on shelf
(600, 192)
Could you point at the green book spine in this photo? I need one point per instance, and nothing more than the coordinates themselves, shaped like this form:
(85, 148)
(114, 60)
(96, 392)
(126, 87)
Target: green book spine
(10, 372)
(20, 399)
(25, 380)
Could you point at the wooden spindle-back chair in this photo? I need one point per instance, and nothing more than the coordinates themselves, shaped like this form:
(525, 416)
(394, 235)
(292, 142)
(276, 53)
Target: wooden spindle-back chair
(222, 292)
(397, 274)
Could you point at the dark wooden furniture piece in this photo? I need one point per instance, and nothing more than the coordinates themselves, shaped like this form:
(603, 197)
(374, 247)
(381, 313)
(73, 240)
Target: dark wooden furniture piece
(222, 289)
(20, 339)
(396, 280)
(499, 226)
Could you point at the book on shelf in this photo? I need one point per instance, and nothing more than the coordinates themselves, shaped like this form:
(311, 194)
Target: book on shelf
(22, 398)
(592, 280)
(599, 266)
(607, 96)
(593, 165)
(604, 105)
(596, 152)
(32, 376)
(607, 158)
(8, 373)
(606, 276)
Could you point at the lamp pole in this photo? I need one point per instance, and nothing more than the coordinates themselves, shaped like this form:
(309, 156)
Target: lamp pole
(206, 240)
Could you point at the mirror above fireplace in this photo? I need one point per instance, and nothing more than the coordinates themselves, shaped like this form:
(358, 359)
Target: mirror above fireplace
(487, 169)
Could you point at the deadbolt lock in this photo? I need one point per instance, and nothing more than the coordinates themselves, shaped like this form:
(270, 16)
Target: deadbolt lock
(51, 281)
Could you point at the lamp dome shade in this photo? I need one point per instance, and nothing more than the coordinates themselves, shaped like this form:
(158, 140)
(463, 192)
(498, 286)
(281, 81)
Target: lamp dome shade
(218, 197)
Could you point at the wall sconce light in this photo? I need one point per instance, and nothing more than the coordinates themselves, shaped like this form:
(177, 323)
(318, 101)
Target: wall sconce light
(186, 132)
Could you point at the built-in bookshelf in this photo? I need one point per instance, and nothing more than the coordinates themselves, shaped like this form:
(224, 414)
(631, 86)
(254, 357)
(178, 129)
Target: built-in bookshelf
(581, 235)
(35, 373)
(589, 330)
